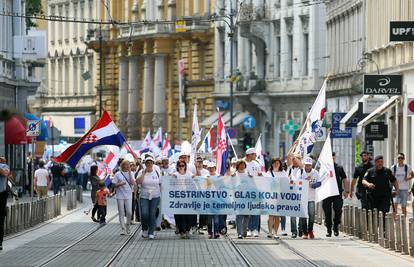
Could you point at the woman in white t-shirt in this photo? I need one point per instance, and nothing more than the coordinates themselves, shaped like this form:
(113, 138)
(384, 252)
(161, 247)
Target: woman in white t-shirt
(275, 171)
(149, 179)
(242, 220)
(124, 182)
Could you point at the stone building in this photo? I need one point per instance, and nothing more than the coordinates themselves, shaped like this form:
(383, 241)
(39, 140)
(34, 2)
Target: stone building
(140, 64)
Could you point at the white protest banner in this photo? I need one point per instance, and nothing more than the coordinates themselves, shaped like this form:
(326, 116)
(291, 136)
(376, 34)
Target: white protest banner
(234, 195)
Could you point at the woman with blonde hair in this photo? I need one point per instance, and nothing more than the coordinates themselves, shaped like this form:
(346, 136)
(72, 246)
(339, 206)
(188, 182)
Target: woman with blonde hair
(124, 182)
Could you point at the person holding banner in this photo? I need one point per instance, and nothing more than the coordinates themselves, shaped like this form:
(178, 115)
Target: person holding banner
(312, 176)
(295, 170)
(242, 221)
(213, 221)
(124, 182)
(200, 171)
(275, 172)
(149, 179)
(253, 168)
(184, 222)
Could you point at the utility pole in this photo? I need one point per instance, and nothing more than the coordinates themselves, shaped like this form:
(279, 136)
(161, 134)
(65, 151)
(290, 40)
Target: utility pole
(100, 70)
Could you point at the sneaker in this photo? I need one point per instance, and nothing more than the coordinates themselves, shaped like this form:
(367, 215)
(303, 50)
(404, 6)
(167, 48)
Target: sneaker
(300, 233)
(216, 236)
(275, 236)
(329, 234)
(123, 232)
(311, 235)
(294, 235)
(269, 236)
(336, 231)
(210, 236)
(151, 236)
(240, 236)
(305, 236)
(255, 233)
(128, 230)
(144, 234)
(283, 233)
(132, 222)
(249, 233)
(93, 219)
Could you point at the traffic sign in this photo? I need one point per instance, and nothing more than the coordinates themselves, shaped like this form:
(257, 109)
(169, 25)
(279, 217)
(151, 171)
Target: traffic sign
(410, 105)
(290, 127)
(249, 122)
(33, 128)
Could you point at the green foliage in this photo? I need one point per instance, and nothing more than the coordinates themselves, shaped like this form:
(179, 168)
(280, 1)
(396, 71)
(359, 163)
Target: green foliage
(33, 8)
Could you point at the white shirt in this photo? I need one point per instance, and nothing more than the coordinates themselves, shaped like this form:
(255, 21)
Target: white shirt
(150, 186)
(167, 171)
(400, 176)
(41, 177)
(204, 173)
(294, 172)
(242, 174)
(123, 191)
(253, 168)
(191, 168)
(281, 174)
(313, 178)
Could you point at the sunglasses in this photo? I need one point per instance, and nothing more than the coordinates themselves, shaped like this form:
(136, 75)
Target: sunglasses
(400, 158)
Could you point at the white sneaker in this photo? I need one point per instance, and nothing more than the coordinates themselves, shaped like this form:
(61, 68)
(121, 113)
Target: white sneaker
(275, 236)
(123, 232)
(249, 233)
(151, 236)
(144, 234)
(255, 233)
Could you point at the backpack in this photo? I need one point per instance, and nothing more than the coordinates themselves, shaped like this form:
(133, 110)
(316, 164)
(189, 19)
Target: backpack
(394, 170)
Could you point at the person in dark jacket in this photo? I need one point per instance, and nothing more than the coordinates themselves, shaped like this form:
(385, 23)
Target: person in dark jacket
(359, 173)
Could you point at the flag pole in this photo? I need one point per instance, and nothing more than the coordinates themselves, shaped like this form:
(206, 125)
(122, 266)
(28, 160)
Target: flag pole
(232, 147)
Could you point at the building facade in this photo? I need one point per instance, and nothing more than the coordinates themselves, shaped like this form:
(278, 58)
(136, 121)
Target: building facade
(278, 64)
(70, 100)
(140, 85)
(347, 62)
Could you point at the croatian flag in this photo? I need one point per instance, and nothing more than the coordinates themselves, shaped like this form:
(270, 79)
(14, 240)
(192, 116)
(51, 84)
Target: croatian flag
(107, 165)
(329, 186)
(315, 120)
(166, 147)
(104, 132)
(222, 152)
(259, 153)
(208, 144)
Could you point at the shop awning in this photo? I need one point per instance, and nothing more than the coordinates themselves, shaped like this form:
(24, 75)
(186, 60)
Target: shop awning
(390, 103)
(351, 113)
(237, 119)
(15, 132)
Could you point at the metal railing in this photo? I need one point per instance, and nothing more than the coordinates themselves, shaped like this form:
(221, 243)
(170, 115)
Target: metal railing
(21, 216)
(395, 234)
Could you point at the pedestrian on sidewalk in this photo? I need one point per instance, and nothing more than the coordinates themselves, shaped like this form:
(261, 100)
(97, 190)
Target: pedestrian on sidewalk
(294, 171)
(275, 172)
(57, 172)
(101, 203)
(359, 173)
(94, 179)
(312, 176)
(377, 180)
(403, 173)
(335, 202)
(124, 182)
(253, 169)
(4, 174)
(41, 180)
(184, 222)
(149, 179)
(242, 221)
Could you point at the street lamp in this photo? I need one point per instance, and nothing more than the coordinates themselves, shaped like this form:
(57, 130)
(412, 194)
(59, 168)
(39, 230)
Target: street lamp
(229, 20)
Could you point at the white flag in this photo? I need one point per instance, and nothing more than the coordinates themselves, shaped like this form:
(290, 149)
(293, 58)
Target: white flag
(195, 135)
(259, 153)
(329, 186)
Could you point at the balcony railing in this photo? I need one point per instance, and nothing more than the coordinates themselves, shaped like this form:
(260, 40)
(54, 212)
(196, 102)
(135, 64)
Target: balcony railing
(251, 12)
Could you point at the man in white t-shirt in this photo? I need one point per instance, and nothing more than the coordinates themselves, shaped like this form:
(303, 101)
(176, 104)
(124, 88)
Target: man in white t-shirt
(253, 168)
(295, 170)
(41, 180)
(403, 173)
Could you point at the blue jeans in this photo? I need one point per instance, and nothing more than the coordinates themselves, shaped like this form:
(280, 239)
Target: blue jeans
(254, 223)
(283, 223)
(213, 221)
(242, 221)
(306, 224)
(56, 185)
(148, 212)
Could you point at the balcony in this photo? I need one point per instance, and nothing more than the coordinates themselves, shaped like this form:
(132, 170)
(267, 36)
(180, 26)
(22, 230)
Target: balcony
(251, 12)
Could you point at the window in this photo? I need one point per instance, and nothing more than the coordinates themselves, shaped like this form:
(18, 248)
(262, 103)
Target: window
(82, 82)
(66, 25)
(90, 70)
(75, 25)
(289, 56)
(305, 55)
(52, 25)
(75, 76)
(66, 84)
(60, 77)
(60, 31)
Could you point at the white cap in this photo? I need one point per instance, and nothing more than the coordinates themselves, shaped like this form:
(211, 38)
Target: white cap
(149, 158)
(183, 153)
(233, 160)
(307, 161)
(211, 164)
(251, 150)
(205, 162)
